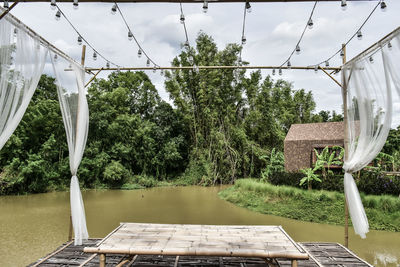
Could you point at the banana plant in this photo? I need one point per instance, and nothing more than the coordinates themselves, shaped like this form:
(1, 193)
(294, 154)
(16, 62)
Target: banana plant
(309, 178)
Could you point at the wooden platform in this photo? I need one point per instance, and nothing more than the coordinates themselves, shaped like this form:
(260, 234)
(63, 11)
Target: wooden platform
(321, 254)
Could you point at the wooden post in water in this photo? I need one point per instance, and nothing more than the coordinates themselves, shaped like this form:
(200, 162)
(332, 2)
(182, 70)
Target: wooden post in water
(346, 151)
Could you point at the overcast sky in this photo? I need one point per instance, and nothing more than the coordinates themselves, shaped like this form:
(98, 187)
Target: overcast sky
(272, 31)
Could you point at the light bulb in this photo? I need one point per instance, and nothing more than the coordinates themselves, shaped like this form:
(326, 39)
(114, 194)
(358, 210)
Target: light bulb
(75, 5)
(310, 23)
(108, 64)
(341, 53)
(55, 57)
(6, 5)
(273, 72)
(114, 9)
(248, 7)
(243, 40)
(327, 63)
(280, 71)
(58, 15)
(205, 6)
(186, 44)
(371, 59)
(79, 40)
(359, 35)
(130, 36)
(316, 68)
(182, 19)
(344, 5)
(239, 60)
(383, 6)
(162, 72)
(53, 4)
(297, 49)
(15, 32)
(289, 65)
(196, 68)
(139, 53)
(154, 69)
(148, 63)
(390, 46)
(94, 56)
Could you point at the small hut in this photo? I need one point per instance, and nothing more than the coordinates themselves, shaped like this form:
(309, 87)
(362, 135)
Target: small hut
(302, 139)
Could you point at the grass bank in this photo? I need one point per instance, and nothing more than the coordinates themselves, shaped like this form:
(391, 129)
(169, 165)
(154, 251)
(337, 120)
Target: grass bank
(383, 212)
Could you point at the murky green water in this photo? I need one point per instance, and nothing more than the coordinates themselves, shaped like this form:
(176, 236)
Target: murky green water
(31, 226)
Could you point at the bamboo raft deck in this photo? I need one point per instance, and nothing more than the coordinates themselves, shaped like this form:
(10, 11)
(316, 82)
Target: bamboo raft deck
(199, 245)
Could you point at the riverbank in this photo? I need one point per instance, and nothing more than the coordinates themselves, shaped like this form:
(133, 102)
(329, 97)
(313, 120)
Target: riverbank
(326, 207)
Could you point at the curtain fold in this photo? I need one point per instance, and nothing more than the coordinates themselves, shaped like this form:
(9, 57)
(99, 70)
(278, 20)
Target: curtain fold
(75, 113)
(369, 80)
(22, 59)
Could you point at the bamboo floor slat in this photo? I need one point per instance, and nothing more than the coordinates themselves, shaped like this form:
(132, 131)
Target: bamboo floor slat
(323, 254)
(200, 240)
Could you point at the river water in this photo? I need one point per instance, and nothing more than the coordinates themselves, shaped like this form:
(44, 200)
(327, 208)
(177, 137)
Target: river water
(32, 226)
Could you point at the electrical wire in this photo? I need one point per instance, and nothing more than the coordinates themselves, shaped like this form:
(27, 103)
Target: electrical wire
(134, 38)
(84, 39)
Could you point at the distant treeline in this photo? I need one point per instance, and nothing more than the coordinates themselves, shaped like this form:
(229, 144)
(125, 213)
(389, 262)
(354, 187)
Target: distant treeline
(220, 127)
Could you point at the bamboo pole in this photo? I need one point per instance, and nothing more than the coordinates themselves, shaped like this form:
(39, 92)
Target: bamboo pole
(8, 10)
(183, 1)
(346, 151)
(330, 76)
(94, 77)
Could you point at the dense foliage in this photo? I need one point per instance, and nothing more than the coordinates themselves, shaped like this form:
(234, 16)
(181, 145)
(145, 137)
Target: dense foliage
(221, 125)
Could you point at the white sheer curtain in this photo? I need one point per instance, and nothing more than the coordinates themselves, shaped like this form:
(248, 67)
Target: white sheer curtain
(369, 79)
(22, 60)
(75, 113)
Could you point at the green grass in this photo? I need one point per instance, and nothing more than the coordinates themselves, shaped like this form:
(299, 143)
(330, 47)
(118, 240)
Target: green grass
(320, 206)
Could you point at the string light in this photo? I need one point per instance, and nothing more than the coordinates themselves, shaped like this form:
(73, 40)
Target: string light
(316, 68)
(139, 53)
(344, 5)
(114, 9)
(310, 23)
(280, 72)
(341, 53)
(182, 19)
(148, 63)
(243, 40)
(359, 35)
(130, 36)
(186, 44)
(205, 6)
(53, 4)
(248, 7)
(383, 6)
(297, 49)
(371, 59)
(289, 65)
(75, 4)
(108, 64)
(79, 40)
(326, 63)
(154, 69)
(390, 45)
(6, 5)
(16, 32)
(58, 15)
(273, 72)
(55, 57)
(94, 56)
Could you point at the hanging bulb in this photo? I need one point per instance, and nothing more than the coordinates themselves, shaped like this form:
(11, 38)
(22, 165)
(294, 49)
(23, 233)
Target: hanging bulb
(310, 23)
(162, 72)
(6, 5)
(154, 69)
(15, 32)
(316, 68)
(148, 63)
(205, 6)
(108, 65)
(297, 49)
(371, 59)
(130, 36)
(119, 69)
(273, 72)
(248, 7)
(289, 65)
(182, 19)
(75, 5)
(53, 4)
(341, 53)
(114, 9)
(55, 57)
(327, 63)
(186, 44)
(280, 71)
(383, 6)
(390, 46)
(58, 15)
(79, 40)
(243, 40)
(94, 56)
(344, 5)
(239, 60)
(359, 35)
(139, 53)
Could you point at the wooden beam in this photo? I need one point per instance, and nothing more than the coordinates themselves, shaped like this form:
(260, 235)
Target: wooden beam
(8, 10)
(94, 77)
(330, 76)
(190, 1)
(213, 68)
